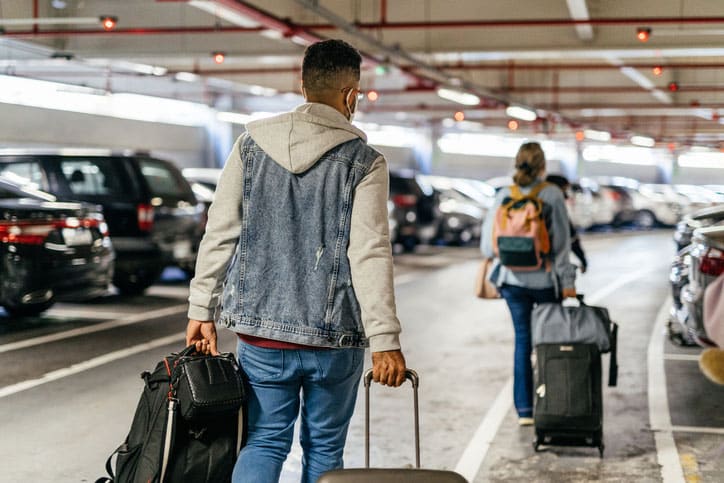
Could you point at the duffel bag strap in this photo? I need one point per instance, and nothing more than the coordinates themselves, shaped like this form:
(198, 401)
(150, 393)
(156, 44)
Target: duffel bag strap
(109, 468)
(613, 362)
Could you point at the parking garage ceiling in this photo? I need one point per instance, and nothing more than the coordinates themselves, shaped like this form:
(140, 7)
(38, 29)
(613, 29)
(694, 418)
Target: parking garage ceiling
(653, 68)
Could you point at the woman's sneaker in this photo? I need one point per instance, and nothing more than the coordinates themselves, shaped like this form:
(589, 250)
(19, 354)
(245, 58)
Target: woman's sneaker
(525, 421)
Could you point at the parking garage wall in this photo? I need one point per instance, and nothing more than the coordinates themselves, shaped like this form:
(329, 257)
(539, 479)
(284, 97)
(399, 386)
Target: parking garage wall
(479, 167)
(22, 126)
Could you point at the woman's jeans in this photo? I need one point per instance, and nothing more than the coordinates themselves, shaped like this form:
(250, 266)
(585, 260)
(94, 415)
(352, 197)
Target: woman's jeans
(324, 382)
(521, 301)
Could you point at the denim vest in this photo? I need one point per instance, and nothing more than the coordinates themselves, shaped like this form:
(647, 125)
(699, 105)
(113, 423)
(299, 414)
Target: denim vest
(289, 278)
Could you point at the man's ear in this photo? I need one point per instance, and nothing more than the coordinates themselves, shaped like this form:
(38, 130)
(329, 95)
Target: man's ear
(301, 88)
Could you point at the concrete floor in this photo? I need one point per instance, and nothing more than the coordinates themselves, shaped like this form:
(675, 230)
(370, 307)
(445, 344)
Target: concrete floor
(64, 408)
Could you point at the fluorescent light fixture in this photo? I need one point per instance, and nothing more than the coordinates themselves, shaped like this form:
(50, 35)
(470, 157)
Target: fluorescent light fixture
(643, 141)
(299, 40)
(711, 160)
(64, 97)
(123, 65)
(521, 113)
(603, 136)
(233, 117)
(224, 12)
(262, 91)
(619, 154)
(272, 34)
(464, 98)
(186, 77)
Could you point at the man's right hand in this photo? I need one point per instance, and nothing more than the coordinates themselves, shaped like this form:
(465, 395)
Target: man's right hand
(388, 368)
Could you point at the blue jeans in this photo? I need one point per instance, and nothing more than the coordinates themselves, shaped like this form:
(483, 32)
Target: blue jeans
(323, 382)
(520, 302)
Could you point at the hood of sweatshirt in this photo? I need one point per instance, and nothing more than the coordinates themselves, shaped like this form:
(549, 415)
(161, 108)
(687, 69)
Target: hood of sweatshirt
(296, 140)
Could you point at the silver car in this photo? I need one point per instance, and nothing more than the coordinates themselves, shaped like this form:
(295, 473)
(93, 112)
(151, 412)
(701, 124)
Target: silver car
(706, 263)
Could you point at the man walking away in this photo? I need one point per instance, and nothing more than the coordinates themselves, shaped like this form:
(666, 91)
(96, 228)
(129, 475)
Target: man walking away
(297, 261)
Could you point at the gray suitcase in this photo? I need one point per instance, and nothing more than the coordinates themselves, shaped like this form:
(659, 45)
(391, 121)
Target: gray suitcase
(391, 475)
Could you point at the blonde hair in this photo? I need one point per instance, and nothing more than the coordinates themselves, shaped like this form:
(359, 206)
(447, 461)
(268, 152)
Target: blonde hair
(529, 163)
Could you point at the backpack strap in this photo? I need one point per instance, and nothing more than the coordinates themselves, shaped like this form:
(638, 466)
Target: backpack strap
(515, 192)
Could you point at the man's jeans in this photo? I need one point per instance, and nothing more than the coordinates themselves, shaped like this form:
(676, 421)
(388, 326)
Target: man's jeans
(328, 382)
(521, 301)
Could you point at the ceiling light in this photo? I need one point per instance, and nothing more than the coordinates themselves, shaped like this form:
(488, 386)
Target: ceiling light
(233, 117)
(59, 4)
(109, 23)
(513, 125)
(673, 86)
(643, 141)
(299, 40)
(464, 98)
(219, 57)
(272, 34)
(186, 77)
(603, 136)
(521, 113)
(373, 96)
(580, 136)
(643, 34)
(224, 12)
(658, 70)
(459, 116)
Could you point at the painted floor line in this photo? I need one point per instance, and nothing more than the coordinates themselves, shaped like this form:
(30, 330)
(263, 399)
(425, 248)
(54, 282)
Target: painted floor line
(682, 357)
(65, 313)
(129, 320)
(667, 454)
(697, 429)
(89, 364)
(473, 456)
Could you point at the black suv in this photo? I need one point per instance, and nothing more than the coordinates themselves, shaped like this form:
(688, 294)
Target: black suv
(153, 217)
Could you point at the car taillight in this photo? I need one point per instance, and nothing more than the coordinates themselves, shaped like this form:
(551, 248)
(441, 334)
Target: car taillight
(145, 217)
(712, 263)
(25, 233)
(36, 232)
(404, 201)
(614, 195)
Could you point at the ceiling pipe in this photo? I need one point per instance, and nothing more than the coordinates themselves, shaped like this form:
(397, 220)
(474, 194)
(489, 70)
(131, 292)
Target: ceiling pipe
(131, 31)
(564, 22)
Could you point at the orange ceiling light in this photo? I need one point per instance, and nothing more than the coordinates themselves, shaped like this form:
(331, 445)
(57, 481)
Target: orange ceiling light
(658, 70)
(643, 34)
(459, 116)
(580, 136)
(513, 125)
(373, 96)
(109, 23)
(219, 57)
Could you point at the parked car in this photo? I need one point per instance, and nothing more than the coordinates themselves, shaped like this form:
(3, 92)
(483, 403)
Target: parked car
(706, 264)
(700, 219)
(153, 217)
(416, 209)
(678, 278)
(49, 250)
(462, 208)
(208, 177)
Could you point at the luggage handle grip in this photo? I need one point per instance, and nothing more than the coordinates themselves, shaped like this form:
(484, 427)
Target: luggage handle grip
(415, 380)
(409, 375)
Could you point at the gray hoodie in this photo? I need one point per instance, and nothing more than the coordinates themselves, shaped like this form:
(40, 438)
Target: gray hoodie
(296, 141)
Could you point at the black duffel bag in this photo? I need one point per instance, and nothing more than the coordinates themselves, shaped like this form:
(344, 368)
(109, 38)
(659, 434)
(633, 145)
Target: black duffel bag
(188, 424)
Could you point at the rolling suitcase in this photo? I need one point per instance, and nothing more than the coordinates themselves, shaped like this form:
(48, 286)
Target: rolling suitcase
(390, 475)
(568, 407)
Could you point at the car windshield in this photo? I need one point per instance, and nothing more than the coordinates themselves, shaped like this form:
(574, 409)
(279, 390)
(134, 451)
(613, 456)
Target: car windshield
(163, 181)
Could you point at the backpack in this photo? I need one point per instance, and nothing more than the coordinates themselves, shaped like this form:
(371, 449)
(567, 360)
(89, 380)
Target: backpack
(520, 234)
(173, 440)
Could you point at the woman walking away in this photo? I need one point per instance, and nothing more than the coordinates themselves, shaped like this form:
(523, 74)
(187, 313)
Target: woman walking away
(524, 281)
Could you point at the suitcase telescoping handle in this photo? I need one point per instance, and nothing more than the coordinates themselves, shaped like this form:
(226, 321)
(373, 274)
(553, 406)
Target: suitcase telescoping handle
(415, 380)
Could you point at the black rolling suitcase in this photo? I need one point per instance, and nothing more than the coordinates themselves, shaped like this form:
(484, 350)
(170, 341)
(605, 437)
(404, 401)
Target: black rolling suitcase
(390, 475)
(568, 406)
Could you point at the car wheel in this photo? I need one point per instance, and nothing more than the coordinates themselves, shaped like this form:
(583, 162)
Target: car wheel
(135, 283)
(28, 310)
(645, 219)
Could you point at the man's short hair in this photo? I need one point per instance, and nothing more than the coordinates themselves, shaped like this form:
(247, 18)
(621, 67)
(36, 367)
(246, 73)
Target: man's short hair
(328, 64)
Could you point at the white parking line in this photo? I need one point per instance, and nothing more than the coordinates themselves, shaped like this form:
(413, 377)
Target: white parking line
(474, 454)
(667, 454)
(129, 320)
(89, 364)
(682, 357)
(697, 429)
